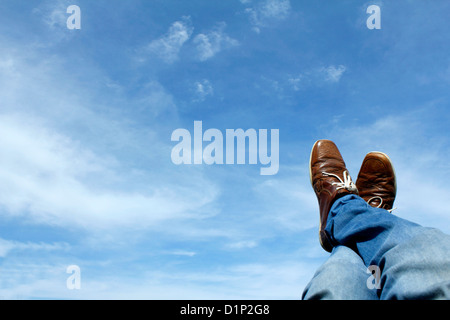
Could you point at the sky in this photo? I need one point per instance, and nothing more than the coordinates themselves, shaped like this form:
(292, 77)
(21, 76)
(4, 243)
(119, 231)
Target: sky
(87, 115)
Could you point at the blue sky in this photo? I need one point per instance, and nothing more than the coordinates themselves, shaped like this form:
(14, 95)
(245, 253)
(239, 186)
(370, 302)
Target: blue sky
(86, 116)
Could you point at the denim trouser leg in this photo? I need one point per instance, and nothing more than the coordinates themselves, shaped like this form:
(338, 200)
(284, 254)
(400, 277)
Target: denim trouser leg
(342, 277)
(414, 261)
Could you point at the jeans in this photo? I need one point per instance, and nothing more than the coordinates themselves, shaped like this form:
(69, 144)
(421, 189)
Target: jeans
(409, 261)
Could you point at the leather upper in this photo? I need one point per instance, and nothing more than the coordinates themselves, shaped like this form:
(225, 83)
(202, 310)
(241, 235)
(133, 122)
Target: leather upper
(376, 181)
(327, 169)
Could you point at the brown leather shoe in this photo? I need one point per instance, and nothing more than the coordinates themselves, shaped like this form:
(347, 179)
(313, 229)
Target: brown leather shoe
(330, 180)
(376, 181)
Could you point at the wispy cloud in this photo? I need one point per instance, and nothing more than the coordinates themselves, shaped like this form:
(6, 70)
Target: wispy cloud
(52, 185)
(295, 82)
(207, 44)
(6, 246)
(183, 253)
(282, 86)
(210, 43)
(289, 202)
(203, 89)
(168, 46)
(267, 12)
(281, 279)
(333, 73)
(53, 17)
(154, 99)
(244, 244)
(55, 173)
(316, 77)
(85, 144)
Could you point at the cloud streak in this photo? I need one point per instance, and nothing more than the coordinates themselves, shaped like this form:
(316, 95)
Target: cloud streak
(168, 46)
(333, 73)
(65, 163)
(51, 185)
(203, 89)
(210, 43)
(268, 12)
(7, 246)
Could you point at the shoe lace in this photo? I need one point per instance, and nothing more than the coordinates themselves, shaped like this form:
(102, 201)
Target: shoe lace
(380, 204)
(346, 184)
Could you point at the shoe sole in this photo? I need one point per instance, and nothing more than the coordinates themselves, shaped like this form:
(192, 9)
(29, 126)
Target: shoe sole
(310, 180)
(310, 158)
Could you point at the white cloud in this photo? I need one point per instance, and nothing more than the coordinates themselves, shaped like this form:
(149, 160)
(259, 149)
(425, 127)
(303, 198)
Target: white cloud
(183, 253)
(54, 18)
(267, 12)
(317, 77)
(54, 15)
(155, 100)
(278, 9)
(207, 44)
(64, 162)
(282, 279)
(289, 203)
(47, 176)
(6, 246)
(245, 244)
(210, 43)
(333, 73)
(168, 46)
(295, 82)
(57, 17)
(203, 89)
